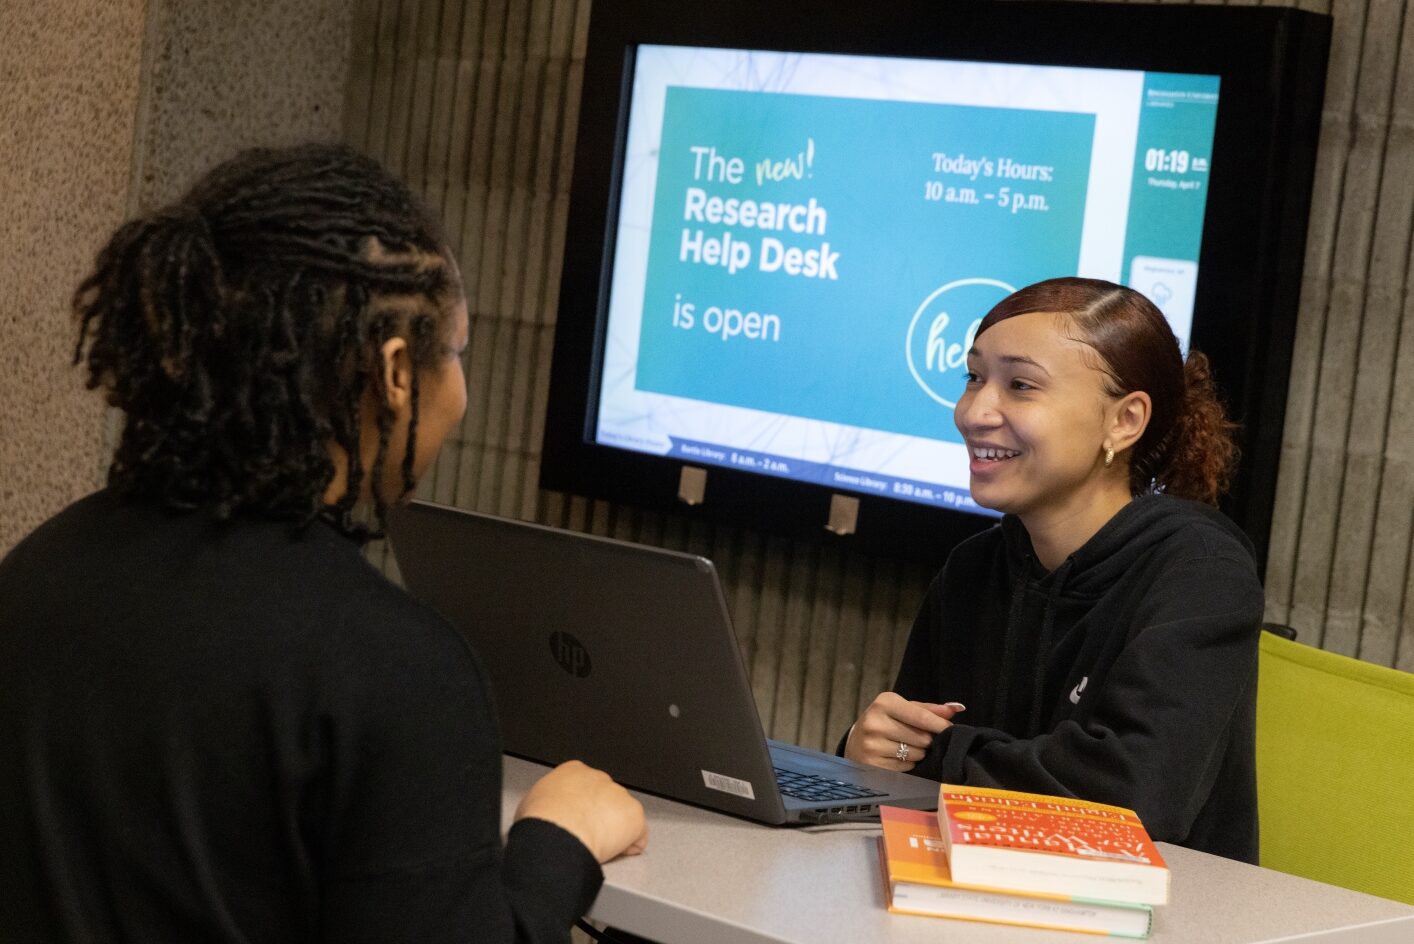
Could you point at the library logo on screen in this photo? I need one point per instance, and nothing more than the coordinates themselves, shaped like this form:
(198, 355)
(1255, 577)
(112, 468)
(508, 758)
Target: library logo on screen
(941, 333)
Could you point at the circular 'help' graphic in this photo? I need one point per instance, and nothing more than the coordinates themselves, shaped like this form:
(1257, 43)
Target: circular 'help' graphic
(941, 333)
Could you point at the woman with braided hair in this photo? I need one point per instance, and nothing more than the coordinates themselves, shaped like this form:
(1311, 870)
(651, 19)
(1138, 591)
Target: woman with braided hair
(219, 723)
(1101, 641)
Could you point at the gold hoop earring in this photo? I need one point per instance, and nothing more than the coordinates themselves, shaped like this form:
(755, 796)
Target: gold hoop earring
(1109, 457)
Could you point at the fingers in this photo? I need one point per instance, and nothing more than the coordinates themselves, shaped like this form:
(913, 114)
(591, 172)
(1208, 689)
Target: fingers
(895, 718)
(587, 803)
(889, 754)
(888, 759)
(638, 824)
(883, 750)
(638, 845)
(947, 710)
(895, 733)
(917, 714)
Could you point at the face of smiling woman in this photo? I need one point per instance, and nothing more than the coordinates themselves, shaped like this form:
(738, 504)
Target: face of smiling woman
(1037, 421)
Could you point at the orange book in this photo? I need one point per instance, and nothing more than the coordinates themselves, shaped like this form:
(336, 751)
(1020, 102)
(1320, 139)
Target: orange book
(917, 881)
(1028, 842)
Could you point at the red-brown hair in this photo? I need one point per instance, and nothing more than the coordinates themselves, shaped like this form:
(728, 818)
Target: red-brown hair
(1187, 449)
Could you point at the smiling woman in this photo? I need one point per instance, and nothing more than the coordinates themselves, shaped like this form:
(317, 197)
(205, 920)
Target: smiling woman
(1105, 632)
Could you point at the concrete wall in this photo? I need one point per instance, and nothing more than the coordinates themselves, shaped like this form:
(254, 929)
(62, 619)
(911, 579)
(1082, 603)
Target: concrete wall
(108, 108)
(68, 108)
(222, 75)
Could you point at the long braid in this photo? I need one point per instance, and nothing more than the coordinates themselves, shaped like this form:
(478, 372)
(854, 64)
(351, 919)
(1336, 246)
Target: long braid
(424, 347)
(348, 417)
(382, 332)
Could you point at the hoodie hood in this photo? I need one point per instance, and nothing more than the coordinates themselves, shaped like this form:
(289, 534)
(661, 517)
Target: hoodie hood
(1146, 522)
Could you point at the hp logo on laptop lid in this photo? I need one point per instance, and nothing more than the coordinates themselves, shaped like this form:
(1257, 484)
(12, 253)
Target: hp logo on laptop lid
(570, 654)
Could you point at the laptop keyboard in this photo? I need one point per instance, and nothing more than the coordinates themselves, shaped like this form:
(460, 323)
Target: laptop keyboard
(812, 788)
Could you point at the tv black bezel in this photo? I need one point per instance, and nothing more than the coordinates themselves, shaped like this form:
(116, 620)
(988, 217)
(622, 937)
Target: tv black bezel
(1271, 63)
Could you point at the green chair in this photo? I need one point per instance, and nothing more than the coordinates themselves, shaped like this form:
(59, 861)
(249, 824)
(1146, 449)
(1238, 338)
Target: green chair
(1335, 768)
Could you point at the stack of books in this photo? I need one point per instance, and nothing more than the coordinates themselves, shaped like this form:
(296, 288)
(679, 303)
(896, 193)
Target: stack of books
(1025, 859)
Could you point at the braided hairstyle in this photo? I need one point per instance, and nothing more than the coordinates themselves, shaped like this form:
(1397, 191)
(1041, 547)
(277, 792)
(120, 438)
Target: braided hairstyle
(1188, 448)
(240, 328)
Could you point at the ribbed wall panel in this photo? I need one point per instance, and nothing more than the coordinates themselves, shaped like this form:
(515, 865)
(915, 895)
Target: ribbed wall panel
(1339, 568)
(474, 103)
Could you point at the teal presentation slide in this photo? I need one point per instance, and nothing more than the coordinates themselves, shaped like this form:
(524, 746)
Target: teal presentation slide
(826, 257)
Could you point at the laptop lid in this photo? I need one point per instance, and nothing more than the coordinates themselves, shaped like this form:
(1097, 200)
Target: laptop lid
(618, 654)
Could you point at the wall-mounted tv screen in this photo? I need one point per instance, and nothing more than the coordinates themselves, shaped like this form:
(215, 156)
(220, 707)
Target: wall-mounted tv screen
(784, 232)
(806, 243)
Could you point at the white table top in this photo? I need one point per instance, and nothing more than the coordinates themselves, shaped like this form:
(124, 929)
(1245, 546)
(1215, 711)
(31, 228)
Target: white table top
(713, 879)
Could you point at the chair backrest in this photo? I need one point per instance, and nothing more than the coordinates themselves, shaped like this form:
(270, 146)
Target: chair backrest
(1335, 769)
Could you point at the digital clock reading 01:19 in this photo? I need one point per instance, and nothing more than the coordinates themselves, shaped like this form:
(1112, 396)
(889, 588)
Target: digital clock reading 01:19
(1162, 159)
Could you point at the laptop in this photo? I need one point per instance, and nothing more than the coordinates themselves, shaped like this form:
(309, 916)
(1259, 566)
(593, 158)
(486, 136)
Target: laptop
(623, 656)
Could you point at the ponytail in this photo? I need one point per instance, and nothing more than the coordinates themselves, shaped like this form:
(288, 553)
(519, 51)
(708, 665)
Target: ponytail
(146, 299)
(1198, 456)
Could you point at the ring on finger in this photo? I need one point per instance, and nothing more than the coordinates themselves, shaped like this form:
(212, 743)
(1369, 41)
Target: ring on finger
(902, 752)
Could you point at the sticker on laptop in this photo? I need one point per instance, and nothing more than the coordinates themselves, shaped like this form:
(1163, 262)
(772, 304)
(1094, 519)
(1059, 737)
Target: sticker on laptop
(725, 784)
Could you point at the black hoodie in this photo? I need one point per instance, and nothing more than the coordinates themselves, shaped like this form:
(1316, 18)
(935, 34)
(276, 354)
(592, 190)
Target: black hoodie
(1126, 676)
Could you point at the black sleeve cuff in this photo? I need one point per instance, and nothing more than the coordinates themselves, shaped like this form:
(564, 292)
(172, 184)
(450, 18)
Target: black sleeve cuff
(549, 863)
(949, 751)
